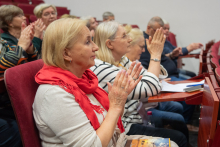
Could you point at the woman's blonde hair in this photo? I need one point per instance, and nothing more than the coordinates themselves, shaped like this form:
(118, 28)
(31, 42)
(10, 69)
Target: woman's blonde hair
(38, 10)
(135, 34)
(59, 35)
(7, 13)
(105, 31)
(68, 16)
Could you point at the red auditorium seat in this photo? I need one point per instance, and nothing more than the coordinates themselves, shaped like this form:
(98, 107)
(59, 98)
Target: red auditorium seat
(172, 39)
(135, 26)
(37, 2)
(214, 62)
(28, 9)
(22, 89)
(6, 3)
(22, 1)
(33, 18)
(62, 10)
(217, 74)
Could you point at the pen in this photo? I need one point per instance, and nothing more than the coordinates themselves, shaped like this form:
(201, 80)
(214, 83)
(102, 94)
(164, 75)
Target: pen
(193, 85)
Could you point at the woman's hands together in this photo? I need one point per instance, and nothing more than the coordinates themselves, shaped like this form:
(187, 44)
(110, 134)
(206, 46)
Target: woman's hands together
(123, 84)
(38, 28)
(155, 45)
(26, 36)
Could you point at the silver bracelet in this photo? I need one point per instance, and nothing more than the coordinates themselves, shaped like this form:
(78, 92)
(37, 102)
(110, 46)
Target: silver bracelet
(156, 60)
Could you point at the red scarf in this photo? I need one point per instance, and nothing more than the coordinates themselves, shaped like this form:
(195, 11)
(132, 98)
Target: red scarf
(78, 87)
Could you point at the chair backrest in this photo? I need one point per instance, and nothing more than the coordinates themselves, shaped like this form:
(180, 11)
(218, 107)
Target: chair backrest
(21, 87)
(62, 10)
(208, 114)
(27, 9)
(22, 1)
(172, 39)
(37, 2)
(33, 18)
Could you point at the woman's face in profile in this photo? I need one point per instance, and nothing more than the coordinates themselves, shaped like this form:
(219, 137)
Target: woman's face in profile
(17, 21)
(83, 51)
(137, 49)
(121, 42)
(49, 15)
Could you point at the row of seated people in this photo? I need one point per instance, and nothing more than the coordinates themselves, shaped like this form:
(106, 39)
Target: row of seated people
(68, 53)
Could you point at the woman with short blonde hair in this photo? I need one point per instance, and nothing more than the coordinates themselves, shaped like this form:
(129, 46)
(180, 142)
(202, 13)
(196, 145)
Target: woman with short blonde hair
(47, 12)
(70, 109)
(137, 44)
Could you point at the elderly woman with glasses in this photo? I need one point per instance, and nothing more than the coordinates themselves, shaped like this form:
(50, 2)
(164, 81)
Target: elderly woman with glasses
(114, 43)
(11, 19)
(46, 12)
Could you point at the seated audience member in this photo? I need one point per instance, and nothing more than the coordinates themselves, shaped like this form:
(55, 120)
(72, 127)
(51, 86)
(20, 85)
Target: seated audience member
(68, 16)
(114, 43)
(168, 113)
(11, 18)
(108, 16)
(137, 45)
(70, 109)
(90, 23)
(172, 52)
(11, 56)
(168, 64)
(46, 12)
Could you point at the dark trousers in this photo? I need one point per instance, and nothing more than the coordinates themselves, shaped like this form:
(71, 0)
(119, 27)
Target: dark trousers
(9, 132)
(176, 136)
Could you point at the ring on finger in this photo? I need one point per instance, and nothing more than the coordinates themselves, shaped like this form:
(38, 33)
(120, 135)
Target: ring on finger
(122, 87)
(134, 79)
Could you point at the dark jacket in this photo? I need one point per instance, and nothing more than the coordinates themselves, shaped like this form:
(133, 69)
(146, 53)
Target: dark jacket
(167, 63)
(37, 42)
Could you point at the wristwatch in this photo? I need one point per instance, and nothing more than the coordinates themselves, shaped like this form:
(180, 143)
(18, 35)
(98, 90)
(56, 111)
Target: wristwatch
(156, 60)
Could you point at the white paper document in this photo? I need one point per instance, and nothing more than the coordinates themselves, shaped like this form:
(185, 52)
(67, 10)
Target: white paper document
(177, 87)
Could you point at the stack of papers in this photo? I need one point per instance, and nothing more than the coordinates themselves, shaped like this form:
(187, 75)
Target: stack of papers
(177, 87)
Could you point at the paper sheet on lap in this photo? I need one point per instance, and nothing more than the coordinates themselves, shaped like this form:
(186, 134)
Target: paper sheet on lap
(177, 87)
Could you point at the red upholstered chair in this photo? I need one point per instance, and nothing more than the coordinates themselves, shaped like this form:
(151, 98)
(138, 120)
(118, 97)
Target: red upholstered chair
(37, 2)
(22, 1)
(62, 10)
(208, 115)
(28, 9)
(135, 26)
(217, 74)
(21, 87)
(214, 63)
(6, 3)
(33, 18)
(172, 39)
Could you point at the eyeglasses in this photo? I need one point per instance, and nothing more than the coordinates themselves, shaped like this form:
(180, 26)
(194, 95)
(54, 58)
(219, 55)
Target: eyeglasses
(48, 14)
(125, 36)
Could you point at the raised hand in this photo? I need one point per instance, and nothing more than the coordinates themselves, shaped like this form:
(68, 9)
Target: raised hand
(38, 28)
(119, 91)
(194, 46)
(26, 37)
(176, 52)
(155, 45)
(134, 78)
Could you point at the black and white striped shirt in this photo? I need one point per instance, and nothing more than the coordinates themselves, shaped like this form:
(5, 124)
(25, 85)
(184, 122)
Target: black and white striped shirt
(148, 86)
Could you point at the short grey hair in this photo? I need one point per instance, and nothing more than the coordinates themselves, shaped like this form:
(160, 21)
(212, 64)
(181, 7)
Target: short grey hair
(38, 10)
(106, 15)
(87, 20)
(154, 20)
(165, 22)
